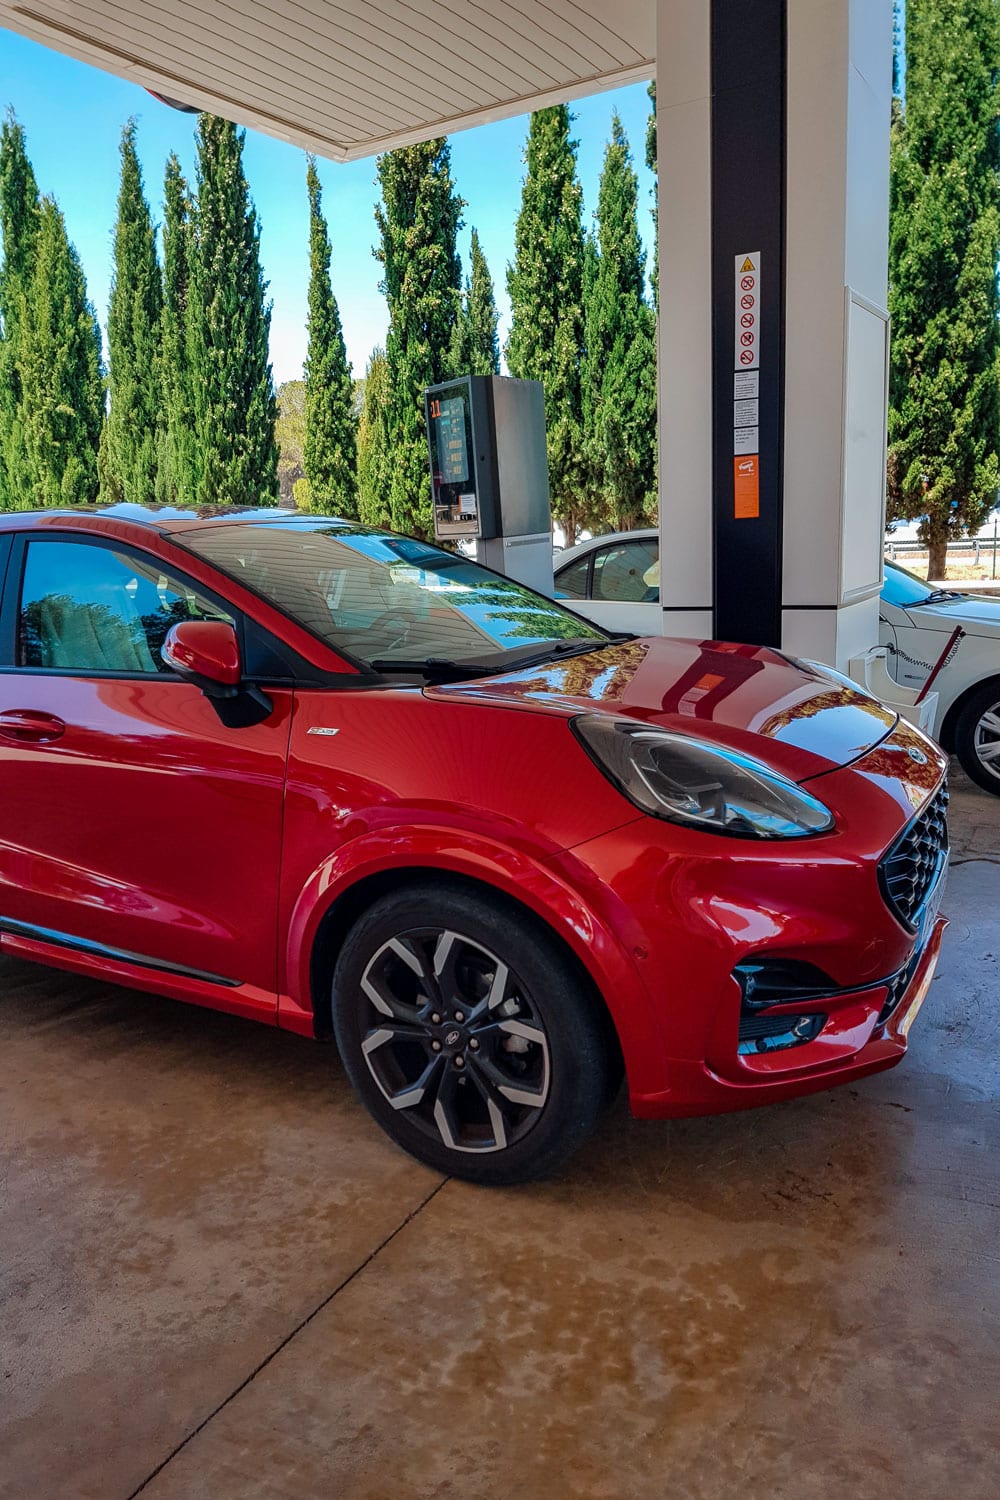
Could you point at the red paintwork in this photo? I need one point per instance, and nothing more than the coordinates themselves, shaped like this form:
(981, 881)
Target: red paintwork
(146, 826)
(207, 648)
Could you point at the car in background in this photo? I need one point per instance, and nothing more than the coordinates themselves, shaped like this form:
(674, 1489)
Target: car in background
(348, 784)
(614, 580)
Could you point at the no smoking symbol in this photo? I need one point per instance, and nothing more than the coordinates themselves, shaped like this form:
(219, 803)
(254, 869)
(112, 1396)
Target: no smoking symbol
(746, 302)
(746, 358)
(747, 284)
(747, 320)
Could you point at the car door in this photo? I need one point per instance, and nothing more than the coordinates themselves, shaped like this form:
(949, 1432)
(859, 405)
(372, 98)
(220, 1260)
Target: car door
(132, 821)
(622, 586)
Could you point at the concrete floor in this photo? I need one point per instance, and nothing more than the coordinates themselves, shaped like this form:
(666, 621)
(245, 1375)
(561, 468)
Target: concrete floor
(218, 1280)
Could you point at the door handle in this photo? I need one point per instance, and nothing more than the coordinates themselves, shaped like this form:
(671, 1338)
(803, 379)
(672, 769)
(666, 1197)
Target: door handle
(27, 725)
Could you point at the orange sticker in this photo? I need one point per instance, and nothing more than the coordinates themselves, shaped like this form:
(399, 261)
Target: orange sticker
(746, 486)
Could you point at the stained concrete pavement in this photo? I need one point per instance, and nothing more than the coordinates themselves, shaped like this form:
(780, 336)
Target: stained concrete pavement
(218, 1280)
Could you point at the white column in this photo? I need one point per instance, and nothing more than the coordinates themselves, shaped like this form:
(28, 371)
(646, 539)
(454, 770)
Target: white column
(836, 339)
(683, 139)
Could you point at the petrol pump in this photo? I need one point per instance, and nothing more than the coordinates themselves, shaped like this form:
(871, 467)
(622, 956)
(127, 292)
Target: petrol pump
(489, 472)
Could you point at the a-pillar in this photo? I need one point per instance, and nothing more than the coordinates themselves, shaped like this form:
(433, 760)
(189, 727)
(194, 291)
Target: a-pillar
(773, 142)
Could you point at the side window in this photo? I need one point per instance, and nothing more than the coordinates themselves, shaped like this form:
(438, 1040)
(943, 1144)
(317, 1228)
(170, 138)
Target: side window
(87, 608)
(571, 582)
(628, 572)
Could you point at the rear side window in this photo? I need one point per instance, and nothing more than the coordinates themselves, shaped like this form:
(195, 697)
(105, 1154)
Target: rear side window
(87, 608)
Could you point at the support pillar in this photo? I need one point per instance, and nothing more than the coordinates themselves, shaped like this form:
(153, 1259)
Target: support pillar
(773, 122)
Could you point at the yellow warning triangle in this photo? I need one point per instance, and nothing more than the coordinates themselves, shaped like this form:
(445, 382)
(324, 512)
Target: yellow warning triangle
(748, 265)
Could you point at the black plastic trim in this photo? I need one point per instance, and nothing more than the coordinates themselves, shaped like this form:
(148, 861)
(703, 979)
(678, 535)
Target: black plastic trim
(101, 950)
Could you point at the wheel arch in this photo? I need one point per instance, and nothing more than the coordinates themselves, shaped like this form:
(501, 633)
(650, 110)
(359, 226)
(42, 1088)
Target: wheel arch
(950, 720)
(349, 905)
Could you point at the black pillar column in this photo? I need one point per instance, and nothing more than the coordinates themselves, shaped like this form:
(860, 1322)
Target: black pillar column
(748, 315)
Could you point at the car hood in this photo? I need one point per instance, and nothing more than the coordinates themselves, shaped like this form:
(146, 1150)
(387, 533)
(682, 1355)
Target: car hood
(976, 613)
(799, 720)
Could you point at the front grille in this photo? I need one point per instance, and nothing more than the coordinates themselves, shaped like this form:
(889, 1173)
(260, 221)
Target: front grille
(910, 869)
(898, 985)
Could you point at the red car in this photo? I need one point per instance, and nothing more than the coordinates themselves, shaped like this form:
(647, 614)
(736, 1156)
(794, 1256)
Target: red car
(354, 786)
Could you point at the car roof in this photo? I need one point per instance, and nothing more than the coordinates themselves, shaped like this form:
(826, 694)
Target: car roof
(580, 549)
(161, 518)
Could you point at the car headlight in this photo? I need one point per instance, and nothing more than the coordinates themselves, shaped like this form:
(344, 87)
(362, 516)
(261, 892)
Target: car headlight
(688, 781)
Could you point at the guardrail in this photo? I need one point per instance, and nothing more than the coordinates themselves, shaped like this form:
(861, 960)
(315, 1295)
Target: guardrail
(976, 548)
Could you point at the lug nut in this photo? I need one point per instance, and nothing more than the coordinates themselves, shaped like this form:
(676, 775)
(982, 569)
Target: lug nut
(460, 1016)
(459, 1062)
(435, 1045)
(474, 1043)
(435, 1019)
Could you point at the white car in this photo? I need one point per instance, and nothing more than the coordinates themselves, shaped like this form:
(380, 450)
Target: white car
(615, 580)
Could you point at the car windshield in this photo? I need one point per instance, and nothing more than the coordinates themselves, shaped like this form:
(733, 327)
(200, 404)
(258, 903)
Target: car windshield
(381, 599)
(904, 589)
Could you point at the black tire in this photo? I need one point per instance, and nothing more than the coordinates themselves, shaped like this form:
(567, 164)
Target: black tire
(513, 1019)
(975, 736)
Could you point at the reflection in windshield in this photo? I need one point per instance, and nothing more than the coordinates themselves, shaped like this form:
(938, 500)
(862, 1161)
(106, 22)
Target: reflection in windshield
(375, 596)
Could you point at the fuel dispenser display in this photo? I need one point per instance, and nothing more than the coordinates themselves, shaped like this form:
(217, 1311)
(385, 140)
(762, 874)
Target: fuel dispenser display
(489, 472)
(458, 430)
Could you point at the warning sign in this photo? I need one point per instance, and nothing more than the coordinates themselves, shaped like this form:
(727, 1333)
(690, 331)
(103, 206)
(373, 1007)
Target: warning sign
(747, 311)
(746, 487)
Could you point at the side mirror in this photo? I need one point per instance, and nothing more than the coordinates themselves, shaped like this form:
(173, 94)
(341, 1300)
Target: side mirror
(207, 654)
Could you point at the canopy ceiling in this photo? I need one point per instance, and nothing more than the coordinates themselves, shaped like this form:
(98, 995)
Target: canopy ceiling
(347, 80)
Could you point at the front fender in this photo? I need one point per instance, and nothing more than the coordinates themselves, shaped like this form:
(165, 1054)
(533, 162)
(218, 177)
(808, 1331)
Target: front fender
(590, 928)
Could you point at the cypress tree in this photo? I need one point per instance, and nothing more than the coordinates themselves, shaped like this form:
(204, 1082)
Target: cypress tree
(944, 408)
(132, 441)
(476, 348)
(374, 455)
(227, 331)
(546, 293)
(60, 361)
(176, 471)
(619, 369)
(418, 220)
(19, 225)
(330, 452)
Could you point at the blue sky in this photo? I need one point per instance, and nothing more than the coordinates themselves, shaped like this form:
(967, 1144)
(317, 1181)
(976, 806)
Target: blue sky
(73, 115)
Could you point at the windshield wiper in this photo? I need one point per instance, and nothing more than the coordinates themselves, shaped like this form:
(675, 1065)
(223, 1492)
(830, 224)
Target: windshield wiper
(557, 649)
(936, 596)
(434, 668)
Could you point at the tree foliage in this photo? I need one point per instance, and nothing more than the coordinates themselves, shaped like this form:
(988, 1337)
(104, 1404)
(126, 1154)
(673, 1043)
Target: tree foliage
(651, 163)
(619, 366)
(60, 364)
(290, 432)
(475, 347)
(228, 323)
(374, 447)
(418, 221)
(330, 453)
(131, 441)
(545, 284)
(19, 225)
(944, 417)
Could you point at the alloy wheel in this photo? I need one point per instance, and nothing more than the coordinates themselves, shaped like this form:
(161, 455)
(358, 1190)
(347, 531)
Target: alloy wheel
(452, 1038)
(986, 741)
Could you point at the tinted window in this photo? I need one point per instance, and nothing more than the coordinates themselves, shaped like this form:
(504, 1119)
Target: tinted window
(376, 596)
(91, 609)
(628, 571)
(572, 580)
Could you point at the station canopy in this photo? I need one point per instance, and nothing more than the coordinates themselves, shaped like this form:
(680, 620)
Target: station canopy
(346, 81)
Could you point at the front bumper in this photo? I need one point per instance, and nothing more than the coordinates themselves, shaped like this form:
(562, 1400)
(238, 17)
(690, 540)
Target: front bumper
(852, 1044)
(696, 909)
